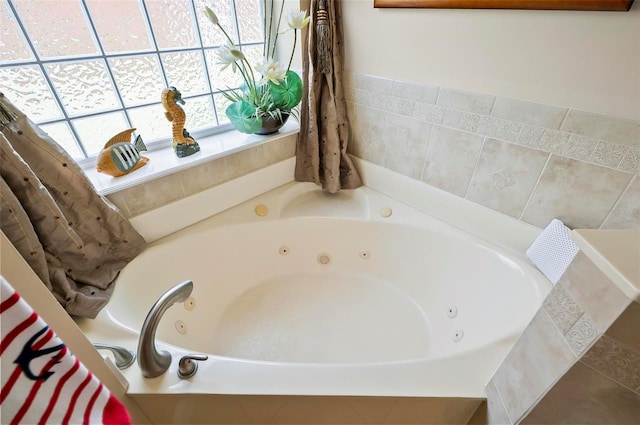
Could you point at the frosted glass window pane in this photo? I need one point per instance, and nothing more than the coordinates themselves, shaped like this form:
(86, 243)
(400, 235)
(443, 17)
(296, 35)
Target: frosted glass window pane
(61, 133)
(172, 23)
(199, 112)
(96, 131)
(57, 28)
(221, 79)
(151, 123)
(138, 78)
(250, 20)
(84, 87)
(120, 25)
(12, 45)
(26, 88)
(254, 56)
(221, 106)
(211, 34)
(186, 72)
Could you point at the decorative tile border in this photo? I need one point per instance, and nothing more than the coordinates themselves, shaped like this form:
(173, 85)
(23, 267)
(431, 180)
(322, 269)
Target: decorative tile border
(616, 361)
(598, 139)
(562, 308)
(581, 335)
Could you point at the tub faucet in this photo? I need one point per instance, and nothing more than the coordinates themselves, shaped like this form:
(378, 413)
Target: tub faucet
(123, 356)
(151, 361)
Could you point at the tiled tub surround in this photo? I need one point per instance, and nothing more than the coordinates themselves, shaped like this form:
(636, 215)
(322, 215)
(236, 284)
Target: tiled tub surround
(164, 190)
(532, 161)
(578, 361)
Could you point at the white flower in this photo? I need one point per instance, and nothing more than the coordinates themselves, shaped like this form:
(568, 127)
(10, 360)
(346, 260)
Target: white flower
(271, 71)
(211, 15)
(297, 19)
(229, 54)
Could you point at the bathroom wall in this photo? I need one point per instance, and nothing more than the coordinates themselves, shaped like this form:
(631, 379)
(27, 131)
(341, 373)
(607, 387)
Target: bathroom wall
(532, 161)
(576, 59)
(531, 113)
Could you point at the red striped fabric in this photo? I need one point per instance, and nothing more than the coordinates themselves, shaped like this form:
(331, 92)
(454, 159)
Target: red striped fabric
(41, 381)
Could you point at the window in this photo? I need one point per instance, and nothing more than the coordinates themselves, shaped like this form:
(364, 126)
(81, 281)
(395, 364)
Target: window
(85, 70)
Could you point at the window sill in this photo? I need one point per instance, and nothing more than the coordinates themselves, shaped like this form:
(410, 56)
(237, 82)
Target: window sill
(164, 161)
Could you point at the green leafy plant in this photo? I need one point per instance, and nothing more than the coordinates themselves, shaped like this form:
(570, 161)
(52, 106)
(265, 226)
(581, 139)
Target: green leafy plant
(278, 91)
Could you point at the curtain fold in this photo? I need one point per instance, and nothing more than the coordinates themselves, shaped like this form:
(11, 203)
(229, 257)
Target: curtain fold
(74, 239)
(321, 150)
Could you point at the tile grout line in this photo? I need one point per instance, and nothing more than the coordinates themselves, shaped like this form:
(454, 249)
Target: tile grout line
(564, 118)
(617, 202)
(475, 166)
(535, 186)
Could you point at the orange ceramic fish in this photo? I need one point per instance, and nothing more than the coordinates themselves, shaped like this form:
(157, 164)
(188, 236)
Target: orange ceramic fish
(119, 156)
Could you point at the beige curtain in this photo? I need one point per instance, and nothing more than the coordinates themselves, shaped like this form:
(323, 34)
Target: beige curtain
(75, 240)
(321, 151)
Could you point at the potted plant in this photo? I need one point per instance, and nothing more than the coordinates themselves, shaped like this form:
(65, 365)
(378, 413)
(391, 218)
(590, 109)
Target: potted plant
(269, 95)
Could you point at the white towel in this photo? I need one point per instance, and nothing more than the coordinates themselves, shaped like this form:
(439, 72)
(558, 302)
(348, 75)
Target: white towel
(553, 250)
(42, 382)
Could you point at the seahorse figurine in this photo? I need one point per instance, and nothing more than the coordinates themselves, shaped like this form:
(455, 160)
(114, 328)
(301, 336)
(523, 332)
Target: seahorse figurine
(183, 143)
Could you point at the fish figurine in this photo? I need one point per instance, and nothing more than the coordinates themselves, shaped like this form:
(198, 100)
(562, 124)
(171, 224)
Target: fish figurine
(119, 156)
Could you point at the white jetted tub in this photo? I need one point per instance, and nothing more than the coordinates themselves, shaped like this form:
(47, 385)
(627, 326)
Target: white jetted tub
(299, 292)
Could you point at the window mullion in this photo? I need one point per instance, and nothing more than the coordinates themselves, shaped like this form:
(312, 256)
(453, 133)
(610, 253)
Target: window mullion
(104, 57)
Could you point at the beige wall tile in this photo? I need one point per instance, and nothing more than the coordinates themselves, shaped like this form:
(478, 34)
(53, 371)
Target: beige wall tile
(505, 176)
(420, 92)
(603, 127)
(118, 200)
(594, 292)
(626, 213)
(465, 101)
(580, 147)
(496, 412)
(370, 83)
(528, 112)
(243, 162)
(530, 136)
(582, 334)
(626, 328)
(428, 112)
(152, 194)
(578, 193)
(280, 149)
(201, 177)
(451, 158)
(563, 310)
(631, 160)
(537, 360)
(508, 130)
(554, 141)
(584, 396)
(369, 134)
(615, 360)
(609, 154)
(408, 142)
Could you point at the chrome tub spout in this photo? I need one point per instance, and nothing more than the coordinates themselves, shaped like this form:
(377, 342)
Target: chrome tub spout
(123, 356)
(151, 361)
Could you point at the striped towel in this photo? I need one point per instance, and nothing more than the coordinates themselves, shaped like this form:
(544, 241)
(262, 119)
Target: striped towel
(42, 382)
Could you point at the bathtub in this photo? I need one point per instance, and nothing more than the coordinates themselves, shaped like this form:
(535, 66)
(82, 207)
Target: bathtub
(302, 293)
